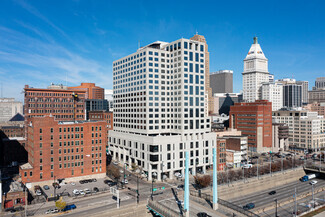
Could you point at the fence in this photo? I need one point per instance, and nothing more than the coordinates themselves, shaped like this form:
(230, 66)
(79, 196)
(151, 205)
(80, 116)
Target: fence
(224, 203)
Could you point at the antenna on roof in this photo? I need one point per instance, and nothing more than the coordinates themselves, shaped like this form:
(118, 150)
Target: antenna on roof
(196, 32)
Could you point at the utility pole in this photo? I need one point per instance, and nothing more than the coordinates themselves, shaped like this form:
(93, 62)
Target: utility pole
(276, 207)
(162, 169)
(124, 175)
(295, 202)
(270, 165)
(54, 187)
(244, 173)
(138, 189)
(312, 188)
(25, 201)
(257, 167)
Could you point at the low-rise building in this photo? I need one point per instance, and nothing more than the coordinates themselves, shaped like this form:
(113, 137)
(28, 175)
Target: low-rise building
(316, 107)
(280, 141)
(234, 158)
(14, 196)
(64, 149)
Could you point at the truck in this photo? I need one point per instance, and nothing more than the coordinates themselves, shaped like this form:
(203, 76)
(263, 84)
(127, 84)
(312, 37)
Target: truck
(69, 207)
(307, 177)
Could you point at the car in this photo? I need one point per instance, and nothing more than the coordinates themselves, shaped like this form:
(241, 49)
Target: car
(46, 187)
(87, 191)
(38, 192)
(94, 180)
(177, 174)
(180, 202)
(63, 183)
(247, 166)
(112, 184)
(179, 187)
(81, 182)
(73, 183)
(85, 181)
(48, 211)
(115, 163)
(56, 185)
(125, 181)
(107, 181)
(313, 182)
(96, 189)
(75, 192)
(249, 206)
(55, 210)
(203, 214)
(272, 192)
(82, 192)
(69, 207)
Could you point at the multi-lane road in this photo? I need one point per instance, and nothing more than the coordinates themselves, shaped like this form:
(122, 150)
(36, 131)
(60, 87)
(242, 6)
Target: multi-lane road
(263, 198)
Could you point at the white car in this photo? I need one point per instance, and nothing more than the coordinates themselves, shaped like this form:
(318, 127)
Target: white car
(313, 182)
(246, 166)
(177, 174)
(73, 183)
(87, 191)
(38, 192)
(75, 192)
(82, 192)
(125, 181)
(54, 210)
(115, 163)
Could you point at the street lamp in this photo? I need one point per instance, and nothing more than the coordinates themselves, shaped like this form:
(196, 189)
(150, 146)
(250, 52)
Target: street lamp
(124, 174)
(276, 207)
(152, 181)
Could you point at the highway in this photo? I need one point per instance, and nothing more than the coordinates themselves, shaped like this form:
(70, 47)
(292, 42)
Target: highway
(263, 198)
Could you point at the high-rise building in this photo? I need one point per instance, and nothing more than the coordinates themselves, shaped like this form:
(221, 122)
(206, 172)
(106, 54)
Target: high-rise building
(292, 93)
(319, 83)
(109, 98)
(223, 101)
(273, 92)
(160, 108)
(9, 108)
(221, 81)
(59, 150)
(304, 91)
(254, 120)
(208, 89)
(255, 72)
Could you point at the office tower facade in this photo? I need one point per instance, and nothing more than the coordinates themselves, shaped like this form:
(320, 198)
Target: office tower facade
(255, 72)
(304, 91)
(64, 150)
(254, 120)
(221, 81)
(319, 83)
(160, 108)
(223, 101)
(273, 92)
(109, 98)
(292, 95)
(306, 129)
(9, 108)
(208, 89)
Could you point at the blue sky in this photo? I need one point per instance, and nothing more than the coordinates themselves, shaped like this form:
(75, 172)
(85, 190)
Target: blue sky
(76, 41)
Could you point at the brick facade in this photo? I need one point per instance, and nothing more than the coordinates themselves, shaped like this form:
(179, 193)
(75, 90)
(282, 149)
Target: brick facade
(255, 121)
(64, 149)
(93, 92)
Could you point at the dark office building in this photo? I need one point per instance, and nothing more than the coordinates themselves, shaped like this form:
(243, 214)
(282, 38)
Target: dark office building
(96, 105)
(221, 81)
(292, 95)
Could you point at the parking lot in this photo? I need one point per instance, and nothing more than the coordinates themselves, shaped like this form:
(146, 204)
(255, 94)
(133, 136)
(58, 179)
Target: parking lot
(67, 188)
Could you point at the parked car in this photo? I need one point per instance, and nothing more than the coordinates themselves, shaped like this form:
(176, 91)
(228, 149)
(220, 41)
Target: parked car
(125, 181)
(112, 184)
(87, 191)
(249, 206)
(115, 163)
(203, 214)
(50, 211)
(313, 182)
(94, 180)
(69, 207)
(179, 187)
(81, 182)
(106, 181)
(96, 189)
(56, 185)
(63, 183)
(247, 166)
(82, 192)
(46, 187)
(272, 192)
(73, 183)
(75, 192)
(38, 192)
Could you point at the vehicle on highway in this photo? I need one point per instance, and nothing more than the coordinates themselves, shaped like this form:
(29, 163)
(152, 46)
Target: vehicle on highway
(69, 207)
(75, 192)
(203, 214)
(46, 187)
(73, 183)
(272, 192)
(82, 192)
(87, 191)
(96, 189)
(249, 206)
(307, 177)
(313, 182)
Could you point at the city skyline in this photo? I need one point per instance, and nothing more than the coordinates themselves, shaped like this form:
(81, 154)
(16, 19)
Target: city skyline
(39, 47)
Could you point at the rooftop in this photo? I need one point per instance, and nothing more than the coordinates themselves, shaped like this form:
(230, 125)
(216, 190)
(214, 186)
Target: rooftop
(26, 166)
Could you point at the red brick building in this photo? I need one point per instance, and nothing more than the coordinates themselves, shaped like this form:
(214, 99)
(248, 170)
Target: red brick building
(254, 120)
(221, 154)
(64, 149)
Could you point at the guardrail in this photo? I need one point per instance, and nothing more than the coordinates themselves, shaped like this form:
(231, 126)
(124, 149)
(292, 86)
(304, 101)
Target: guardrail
(161, 210)
(225, 203)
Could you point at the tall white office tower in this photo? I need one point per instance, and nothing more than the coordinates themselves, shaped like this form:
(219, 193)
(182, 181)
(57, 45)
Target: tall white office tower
(159, 109)
(255, 72)
(273, 92)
